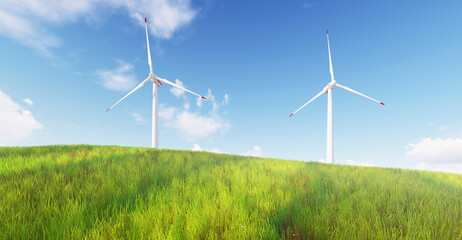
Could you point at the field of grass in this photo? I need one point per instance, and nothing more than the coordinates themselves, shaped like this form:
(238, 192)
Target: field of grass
(99, 192)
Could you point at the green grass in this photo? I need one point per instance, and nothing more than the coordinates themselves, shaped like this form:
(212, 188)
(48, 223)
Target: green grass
(96, 192)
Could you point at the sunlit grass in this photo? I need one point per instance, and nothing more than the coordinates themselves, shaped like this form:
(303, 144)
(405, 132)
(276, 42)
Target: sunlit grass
(99, 192)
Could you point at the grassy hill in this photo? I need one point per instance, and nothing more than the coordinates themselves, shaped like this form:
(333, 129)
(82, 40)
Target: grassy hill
(96, 192)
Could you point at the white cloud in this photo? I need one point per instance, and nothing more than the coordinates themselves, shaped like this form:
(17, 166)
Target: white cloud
(216, 105)
(139, 119)
(307, 5)
(436, 150)
(196, 147)
(165, 16)
(193, 126)
(363, 164)
(166, 113)
(28, 21)
(26, 31)
(437, 154)
(121, 78)
(255, 152)
(199, 102)
(211, 98)
(16, 123)
(322, 160)
(176, 91)
(214, 150)
(28, 102)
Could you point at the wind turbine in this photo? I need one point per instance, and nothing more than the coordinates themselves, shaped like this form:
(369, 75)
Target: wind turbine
(328, 89)
(157, 82)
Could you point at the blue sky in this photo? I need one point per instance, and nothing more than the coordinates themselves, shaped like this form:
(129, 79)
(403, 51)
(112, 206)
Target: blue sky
(62, 64)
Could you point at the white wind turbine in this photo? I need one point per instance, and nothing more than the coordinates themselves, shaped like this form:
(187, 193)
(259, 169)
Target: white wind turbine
(157, 82)
(328, 89)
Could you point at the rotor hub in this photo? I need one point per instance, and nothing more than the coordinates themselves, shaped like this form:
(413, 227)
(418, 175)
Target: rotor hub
(330, 85)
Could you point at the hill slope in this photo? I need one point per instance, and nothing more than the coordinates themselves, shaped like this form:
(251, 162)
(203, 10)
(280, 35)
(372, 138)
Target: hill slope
(82, 191)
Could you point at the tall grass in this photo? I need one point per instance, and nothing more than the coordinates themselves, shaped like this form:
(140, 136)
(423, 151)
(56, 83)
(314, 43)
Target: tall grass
(96, 192)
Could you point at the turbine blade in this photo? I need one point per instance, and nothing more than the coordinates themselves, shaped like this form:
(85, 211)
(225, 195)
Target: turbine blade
(147, 42)
(360, 94)
(132, 91)
(319, 94)
(182, 88)
(330, 58)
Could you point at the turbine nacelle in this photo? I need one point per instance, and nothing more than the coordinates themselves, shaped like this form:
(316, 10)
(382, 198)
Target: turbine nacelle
(330, 85)
(155, 80)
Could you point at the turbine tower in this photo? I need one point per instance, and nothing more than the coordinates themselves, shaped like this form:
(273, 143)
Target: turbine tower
(328, 89)
(157, 82)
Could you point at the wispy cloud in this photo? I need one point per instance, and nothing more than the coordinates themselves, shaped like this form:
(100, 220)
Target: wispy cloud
(196, 147)
(193, 126)
(28, 102)
(121, 78)
(255, 152)
(437, 154)
(31, 21)
(27, 32)
(166, 113)
(308, 4)
(436, 150)
(165, 16)
(322, 160)
(139, 119)
(176, 91)
(213, 101)
(16, 123)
